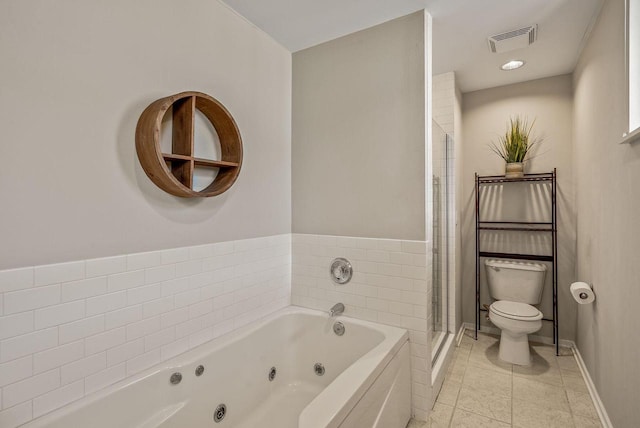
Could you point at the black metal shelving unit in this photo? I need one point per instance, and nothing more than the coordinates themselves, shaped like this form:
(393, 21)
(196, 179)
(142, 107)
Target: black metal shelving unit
(520, 226)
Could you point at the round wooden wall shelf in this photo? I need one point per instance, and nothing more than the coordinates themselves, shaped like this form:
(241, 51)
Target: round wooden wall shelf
(173, 172)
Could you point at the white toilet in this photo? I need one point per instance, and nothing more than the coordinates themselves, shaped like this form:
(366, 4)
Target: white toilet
(515, 286)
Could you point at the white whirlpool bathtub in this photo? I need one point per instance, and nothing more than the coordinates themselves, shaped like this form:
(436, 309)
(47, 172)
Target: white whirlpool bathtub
(358, 380)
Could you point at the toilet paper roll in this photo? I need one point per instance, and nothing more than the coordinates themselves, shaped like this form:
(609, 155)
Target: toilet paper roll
(582, 293)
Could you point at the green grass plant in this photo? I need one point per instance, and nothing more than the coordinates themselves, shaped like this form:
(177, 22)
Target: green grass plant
(517, 141)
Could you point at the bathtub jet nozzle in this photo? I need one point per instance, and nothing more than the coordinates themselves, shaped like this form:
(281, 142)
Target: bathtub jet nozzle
(219, 413)
(318, 368)
(175, 378)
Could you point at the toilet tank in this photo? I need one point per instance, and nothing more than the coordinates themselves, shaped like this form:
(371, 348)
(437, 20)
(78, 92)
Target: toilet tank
(515, 281)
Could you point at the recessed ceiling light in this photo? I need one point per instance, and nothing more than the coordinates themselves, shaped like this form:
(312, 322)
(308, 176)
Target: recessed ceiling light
(512, 65)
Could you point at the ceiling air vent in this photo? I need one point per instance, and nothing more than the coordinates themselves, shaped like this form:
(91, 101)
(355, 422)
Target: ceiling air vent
(512, 40)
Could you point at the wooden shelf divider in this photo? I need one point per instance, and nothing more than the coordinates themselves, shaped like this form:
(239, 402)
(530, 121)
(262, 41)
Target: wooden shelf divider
(173, 157)
(214, 163)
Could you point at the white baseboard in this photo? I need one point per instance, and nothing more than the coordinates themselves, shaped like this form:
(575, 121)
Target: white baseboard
(597, 402)
(541, 339)
(460, 334)
(593, 392)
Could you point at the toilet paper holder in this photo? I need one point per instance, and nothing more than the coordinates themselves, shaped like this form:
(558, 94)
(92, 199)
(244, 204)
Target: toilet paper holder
(582, 292)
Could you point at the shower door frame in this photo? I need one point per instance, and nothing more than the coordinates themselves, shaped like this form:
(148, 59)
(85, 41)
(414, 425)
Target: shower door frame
(444, 251)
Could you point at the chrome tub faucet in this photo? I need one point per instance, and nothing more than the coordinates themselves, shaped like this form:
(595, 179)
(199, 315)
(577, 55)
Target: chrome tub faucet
(337, 309)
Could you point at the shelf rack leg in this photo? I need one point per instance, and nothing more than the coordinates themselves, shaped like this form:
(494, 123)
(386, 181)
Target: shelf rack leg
(556, 333)
(477, 256)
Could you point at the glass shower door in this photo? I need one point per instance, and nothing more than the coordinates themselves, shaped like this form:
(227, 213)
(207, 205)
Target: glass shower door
(441, 195)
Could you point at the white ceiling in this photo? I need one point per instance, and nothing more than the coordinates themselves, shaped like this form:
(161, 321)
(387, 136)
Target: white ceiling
(460, 30)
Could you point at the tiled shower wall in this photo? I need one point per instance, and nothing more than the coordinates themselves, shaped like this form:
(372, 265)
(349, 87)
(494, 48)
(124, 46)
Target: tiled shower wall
(446, 112)
(67, 330)
(444, 92)
(389, 286)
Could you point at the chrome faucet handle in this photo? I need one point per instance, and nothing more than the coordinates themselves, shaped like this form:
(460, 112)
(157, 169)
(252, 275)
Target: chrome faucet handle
(341, 271)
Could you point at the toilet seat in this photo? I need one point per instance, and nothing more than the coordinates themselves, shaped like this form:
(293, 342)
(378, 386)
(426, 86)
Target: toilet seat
(515, 310)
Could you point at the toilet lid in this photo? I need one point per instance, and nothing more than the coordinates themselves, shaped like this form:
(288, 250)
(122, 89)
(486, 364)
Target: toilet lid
(515, 310)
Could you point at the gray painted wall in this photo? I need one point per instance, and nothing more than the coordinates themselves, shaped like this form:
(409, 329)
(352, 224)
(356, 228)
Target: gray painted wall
(359, 132)
(608, 247)
(484, 116)
(75, 78)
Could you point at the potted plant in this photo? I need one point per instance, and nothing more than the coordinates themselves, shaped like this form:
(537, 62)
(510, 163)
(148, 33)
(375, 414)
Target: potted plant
(515, 146)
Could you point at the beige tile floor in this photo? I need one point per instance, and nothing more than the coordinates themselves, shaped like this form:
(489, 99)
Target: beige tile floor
(481, 391)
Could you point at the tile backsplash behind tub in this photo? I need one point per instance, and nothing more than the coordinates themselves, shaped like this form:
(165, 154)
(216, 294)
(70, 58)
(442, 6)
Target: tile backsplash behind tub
(389, 286)
(69, 329)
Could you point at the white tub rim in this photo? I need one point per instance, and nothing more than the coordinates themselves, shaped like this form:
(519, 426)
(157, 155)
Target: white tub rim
(335, 402)
(352, 383)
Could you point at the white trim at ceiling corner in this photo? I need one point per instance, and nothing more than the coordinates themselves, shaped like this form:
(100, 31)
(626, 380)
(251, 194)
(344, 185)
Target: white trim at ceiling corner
(587, 33)
(252, 24)
(591, 387)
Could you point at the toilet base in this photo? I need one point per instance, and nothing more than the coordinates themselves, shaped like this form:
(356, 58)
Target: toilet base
(514, 348)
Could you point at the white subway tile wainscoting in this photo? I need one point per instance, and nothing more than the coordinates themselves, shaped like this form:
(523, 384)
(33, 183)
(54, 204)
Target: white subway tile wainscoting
(70, 329)
(389, 286)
